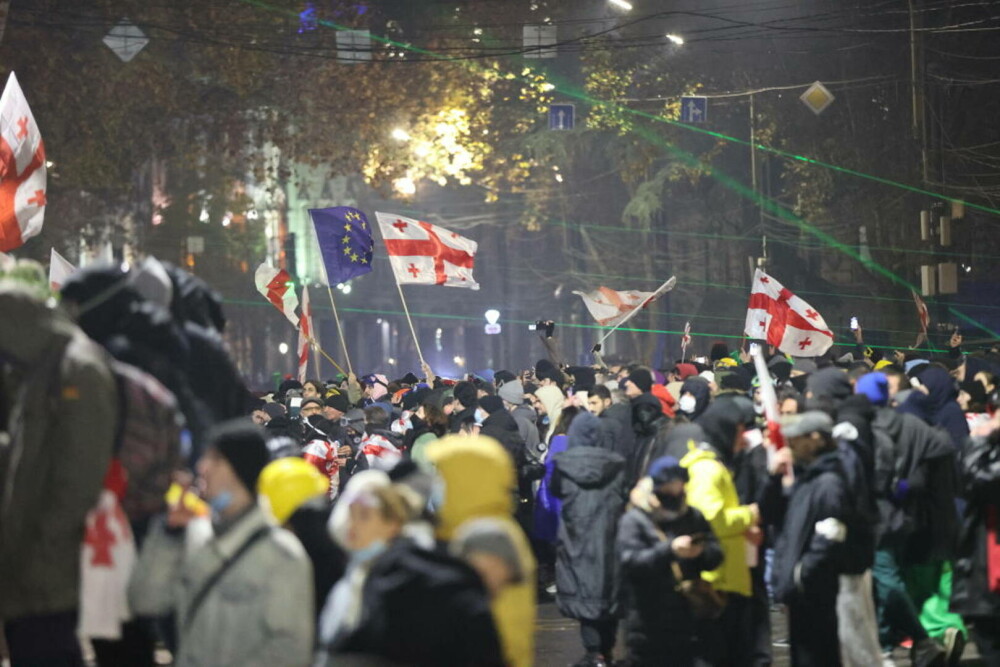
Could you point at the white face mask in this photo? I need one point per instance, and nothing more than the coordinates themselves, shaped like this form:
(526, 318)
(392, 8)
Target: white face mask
(687, 403)
(758, 408)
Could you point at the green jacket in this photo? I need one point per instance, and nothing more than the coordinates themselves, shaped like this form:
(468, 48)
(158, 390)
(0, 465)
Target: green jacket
(60, 414)
(712, 492)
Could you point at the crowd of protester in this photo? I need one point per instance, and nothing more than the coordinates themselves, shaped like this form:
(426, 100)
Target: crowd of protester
(150, 500)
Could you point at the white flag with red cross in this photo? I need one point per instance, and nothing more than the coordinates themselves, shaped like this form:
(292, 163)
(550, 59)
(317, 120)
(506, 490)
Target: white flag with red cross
(305, 334)
(425, 254)
(278, 288)
(685, 340)
(60, 270)
(784, 320)
(22, 170)
(612, 308)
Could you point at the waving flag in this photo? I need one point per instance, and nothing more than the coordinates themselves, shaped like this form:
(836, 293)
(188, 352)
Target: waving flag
(22, 170)
(278, 288)
(345, 242)
(783, 319)
(685, 340)
(425, 254)
(305, 334)
(612, 308)
(59, 270)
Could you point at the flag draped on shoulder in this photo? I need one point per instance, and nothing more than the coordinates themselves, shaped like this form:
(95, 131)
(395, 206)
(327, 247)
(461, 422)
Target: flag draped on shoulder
(278, 288)
(345, 242)
(22, 170)
(60, 270)
(612, 308)
(424, 254)
(784, 320)
(306, 334)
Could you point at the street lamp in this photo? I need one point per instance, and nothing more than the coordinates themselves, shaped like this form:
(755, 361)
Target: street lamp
(399, 134)
(676, 39)
(459, 361)
(283, 348)
(621, 4)
(492, 315)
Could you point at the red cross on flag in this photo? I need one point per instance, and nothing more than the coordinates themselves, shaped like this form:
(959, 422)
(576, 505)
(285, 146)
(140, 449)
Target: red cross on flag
(922, 313)
(305, 334)
(425, 254)
(612, 308)
(783, 319)
(278, 288)
(22, 170)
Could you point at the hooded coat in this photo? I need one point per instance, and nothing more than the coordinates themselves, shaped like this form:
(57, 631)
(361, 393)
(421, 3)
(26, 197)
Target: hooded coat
(552, 399)
(59, 405)
(972, 594)
(942, 405)
(479, 481)
(711, 490)
(699, 388)
(648, 422)
(590, 481)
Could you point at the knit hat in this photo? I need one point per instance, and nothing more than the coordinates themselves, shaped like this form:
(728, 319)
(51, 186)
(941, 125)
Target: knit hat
(546, 370)
(491, 404)
(829, 383)
(813, 421)
(685, 371)
(914, 363)
(338, 402)
(512, 391)
(642, 379)
(584, 378)
(274, 410)
(875, 386)
(500, 378)
(975, 390)
(312, 401)
(416, 398)
(667, 469)
(242, 444)
(355, 418)
(465, 393)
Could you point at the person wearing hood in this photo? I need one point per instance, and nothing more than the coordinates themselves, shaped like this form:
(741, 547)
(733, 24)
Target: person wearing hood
(398, 601)
(512, 393)
(711, 490)
(695, 396)
(244, 596)
(60, 410)
(590, 480)
(650, 426)
(915, 486)
(942, 405)
(501, 426)
(640, 381)
(478, 481)
(549, 406)
(661, 541)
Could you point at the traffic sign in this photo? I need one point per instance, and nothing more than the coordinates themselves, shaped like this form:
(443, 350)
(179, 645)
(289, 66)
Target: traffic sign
(817, 98)
(492, 329)
(562, 116)
(694, 109)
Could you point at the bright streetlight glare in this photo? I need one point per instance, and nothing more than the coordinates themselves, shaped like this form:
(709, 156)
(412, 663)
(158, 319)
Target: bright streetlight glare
(676, 39)
(405, 186)
(399, 134)
(621, 4)
(283, 348)
(492, 315)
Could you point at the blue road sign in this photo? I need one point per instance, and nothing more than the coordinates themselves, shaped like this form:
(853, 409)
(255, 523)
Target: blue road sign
(694, 109)
(561, 116)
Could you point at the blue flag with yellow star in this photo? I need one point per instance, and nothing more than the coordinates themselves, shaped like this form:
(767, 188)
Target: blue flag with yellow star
(345, 242)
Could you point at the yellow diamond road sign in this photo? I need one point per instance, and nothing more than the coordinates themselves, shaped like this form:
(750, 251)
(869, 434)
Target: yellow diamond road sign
(817, 98)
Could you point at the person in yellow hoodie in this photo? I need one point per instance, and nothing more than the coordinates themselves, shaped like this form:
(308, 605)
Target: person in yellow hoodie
(728, 640)
(479, 481)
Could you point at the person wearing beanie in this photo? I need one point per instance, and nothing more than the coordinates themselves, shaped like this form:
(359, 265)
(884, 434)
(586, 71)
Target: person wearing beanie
(662, 541)
(334, 407)
(547, 374)
(500, 378)
(464, 403)
(590, 479)
(271, 620)
(639, 381)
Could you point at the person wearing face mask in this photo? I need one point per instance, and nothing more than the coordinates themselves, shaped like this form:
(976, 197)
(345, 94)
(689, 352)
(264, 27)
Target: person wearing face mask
(244, 597)
(660, 538)
(397, 601)
(694, 398)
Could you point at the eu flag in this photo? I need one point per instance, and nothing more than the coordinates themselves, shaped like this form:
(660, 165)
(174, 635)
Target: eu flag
(345, 242)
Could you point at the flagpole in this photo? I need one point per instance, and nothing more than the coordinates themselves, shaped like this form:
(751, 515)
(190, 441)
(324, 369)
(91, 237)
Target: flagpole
(635, 310)
(406, 309)
(323, 352)
(340, 331)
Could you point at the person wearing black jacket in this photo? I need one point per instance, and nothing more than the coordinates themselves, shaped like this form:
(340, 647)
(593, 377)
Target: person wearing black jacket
(502, 427)
(589, 479)
(812, 548)
(648, 421)
(660, 537)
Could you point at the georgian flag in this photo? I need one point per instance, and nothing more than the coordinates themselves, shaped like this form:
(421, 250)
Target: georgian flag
(60, 270)
(278, 288)
(424, 254)
(784, 320)
(612, 308)
(686, 338)
(22, 170)
(306, 335)
(922, 313)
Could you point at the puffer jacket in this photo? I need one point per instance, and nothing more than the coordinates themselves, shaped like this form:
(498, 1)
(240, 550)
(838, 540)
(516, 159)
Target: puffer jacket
(62, 412)
(259, 612)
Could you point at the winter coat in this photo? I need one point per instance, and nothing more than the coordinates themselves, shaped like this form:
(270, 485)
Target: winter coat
(260, 612)
(59, 406)
(590, 481)
(807, 564)
(422, 609)
(699, 388)
(667, 401)
(648, 423)
(917, 484)
(657, 615)
(980, 468)
(711, 491)
(620, 414)
(479, 481)
(501, 427)
(526, 417)
(945, 412)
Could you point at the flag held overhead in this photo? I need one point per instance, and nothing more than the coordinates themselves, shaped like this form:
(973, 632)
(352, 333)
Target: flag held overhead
(424, 254)
(22, 170)
(278, 288)
(784, 320)
(345, 242)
